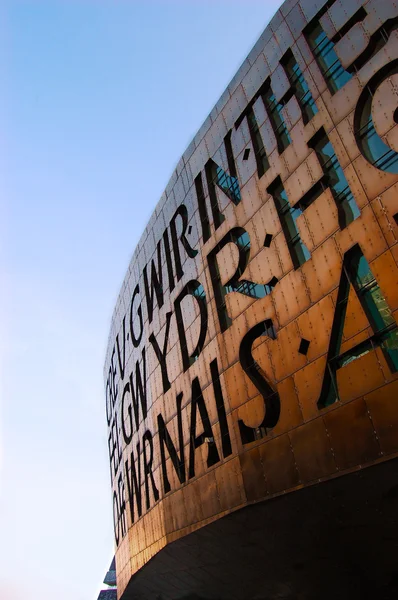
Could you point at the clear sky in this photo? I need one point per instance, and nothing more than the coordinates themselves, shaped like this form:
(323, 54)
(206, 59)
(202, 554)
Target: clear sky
(99, 99)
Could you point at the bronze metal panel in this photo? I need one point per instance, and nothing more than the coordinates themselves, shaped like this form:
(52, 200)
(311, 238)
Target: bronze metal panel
(355, 185)
(374, 181)
(284, 352)
(352, 45)
(382, 406)
(279, 465)
(384, 104)
(282, 260)
(391, 138)
(346, 132)
(303, 178)
(208, 495)
(291, 415)
(284, 37)
(359, 376)
(317, 77)
(239, 388)
(290, 297)
(338, 147)
(321, 119)
(253, 475)
(291, 112)
(252, 201)
(279, 81)
(262, 351)
(262, 309)
(355, 318)
(304, 50)
(308, 383)
(296, 20)
(265, 266)
(394, 252)
(230, 484)
(180, 517)
(322, 219)
(277, 329)
(267, 218)
(364, 231)
(322, 273)
(385, 271)
(315, 326)
(354, 340)
(385, 207)
(311, 448)
(352, 436)
(277, 167)
(340, 105)
(191, 501)
(298, 150)
(252, 413)
(385, 368)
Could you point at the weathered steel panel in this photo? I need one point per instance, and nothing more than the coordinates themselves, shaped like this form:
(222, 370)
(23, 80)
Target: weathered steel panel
(254, 345)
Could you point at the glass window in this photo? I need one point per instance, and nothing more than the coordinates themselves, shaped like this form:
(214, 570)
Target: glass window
(227, 183)
(300, 88)
(274, 111)
(258, 146)
(373, 147)
(375, 307)
(323, 49)
(357, 273)
(334, 178)
(288, 216)
(377, 41)
(204, 217)
(241, 239)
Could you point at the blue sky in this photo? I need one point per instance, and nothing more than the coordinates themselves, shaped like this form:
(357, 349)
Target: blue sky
(99, 100)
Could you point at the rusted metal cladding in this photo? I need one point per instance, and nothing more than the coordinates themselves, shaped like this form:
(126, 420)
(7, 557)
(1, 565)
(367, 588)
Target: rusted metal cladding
(253, 347)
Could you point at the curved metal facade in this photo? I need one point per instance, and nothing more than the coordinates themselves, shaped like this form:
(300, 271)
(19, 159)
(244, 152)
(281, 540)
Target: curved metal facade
(254, 345)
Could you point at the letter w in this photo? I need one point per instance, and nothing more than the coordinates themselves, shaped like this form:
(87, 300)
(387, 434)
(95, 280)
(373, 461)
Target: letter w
(138, 392)
(134, 483)
(156, 284)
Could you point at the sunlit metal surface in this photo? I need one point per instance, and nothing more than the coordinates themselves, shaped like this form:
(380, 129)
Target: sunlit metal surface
(254, 345)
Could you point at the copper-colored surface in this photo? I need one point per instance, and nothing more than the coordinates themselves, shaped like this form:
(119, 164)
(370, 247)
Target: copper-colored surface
(352, 437)
(311, 446)
(203, 441)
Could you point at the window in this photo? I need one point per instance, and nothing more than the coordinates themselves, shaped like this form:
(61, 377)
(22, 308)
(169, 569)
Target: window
(228, 184)
(204, 217)
(247, 288)
(288, 216)
(357, 273)
(274, 111)
(377, 41)
(323, 49)
(370, 143)
(241, 239)
(334, 178)
(216, 176)
(299, 87)
(375, 307)
(230, 154)
(258, 146)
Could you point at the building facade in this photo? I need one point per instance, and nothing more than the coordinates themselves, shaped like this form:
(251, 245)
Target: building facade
(251, 371)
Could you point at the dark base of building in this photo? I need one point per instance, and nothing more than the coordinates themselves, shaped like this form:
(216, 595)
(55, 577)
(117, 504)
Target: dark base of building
(336, 539)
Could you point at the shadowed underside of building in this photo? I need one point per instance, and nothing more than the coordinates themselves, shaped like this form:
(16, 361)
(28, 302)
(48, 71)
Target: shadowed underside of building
(251, 375)
(338, 539)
